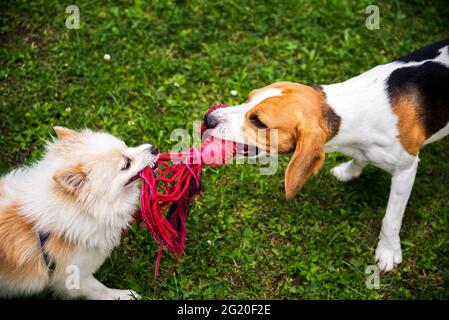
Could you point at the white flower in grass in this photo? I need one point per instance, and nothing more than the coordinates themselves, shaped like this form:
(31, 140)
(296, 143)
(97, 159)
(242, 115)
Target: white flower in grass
(107, 57)
(234, 93)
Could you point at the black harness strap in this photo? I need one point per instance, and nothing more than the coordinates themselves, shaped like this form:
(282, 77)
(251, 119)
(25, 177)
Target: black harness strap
(51, 264)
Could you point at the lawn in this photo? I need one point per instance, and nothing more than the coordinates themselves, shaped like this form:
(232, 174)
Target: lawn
(170, 61)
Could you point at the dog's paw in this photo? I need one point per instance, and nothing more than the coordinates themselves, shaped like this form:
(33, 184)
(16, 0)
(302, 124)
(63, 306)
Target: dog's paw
(116, 294)
(387, 257)
(346, 171)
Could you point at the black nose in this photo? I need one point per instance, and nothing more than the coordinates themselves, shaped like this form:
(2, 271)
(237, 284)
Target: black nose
(210, 121)
(154, 150)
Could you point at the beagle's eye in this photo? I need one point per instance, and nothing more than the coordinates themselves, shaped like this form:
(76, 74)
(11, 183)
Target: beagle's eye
(256, 121)
(127, 164)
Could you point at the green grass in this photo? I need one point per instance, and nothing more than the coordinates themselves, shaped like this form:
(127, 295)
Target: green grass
(244, 240)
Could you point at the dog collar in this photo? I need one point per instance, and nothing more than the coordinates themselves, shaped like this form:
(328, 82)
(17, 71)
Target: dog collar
(51, 264)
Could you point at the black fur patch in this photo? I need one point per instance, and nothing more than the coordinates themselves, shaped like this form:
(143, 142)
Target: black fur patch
(333, 120)
(430, 83)
(426, 53)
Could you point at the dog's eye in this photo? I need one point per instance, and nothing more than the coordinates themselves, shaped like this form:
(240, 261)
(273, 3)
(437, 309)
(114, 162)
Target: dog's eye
(256, 121)
(127, 164)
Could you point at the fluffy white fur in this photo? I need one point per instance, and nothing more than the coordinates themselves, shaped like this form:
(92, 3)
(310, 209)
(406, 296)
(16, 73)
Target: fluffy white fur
(78, 190)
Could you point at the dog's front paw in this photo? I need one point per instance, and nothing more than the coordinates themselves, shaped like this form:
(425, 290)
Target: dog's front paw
(388, 256)
(346, 171)
(116, 294)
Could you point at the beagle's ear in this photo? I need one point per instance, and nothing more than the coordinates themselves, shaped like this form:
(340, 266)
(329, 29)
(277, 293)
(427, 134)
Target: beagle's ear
(71, 179)
(306, 161)
(62, 132)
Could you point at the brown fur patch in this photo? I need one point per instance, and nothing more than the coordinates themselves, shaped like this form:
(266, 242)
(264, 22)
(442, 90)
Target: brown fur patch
(21, 257)
(300, 116)
(298, 105)
(411, 130)
(20, 253)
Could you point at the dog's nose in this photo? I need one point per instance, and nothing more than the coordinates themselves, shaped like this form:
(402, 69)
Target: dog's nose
(154, 150)
(210, 121)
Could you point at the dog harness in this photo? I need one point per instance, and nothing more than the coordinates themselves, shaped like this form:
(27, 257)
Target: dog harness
(51, 264)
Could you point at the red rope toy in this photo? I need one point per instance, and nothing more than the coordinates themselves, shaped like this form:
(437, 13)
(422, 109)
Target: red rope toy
(167, 190)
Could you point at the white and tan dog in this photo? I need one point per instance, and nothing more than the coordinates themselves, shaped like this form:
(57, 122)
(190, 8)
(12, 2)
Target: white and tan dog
(60, 218)
(382, 117)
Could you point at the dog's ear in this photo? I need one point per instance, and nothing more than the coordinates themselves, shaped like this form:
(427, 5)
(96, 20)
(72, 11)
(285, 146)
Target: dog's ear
(63, 133)
(306, 161)
(71, 179)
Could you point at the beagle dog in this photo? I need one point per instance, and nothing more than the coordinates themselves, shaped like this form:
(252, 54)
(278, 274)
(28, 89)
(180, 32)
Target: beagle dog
(382, 117)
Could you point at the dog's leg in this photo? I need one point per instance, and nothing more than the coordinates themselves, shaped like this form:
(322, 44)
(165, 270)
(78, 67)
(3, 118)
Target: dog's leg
(348, 170)
(92, 289)
(388, 252)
